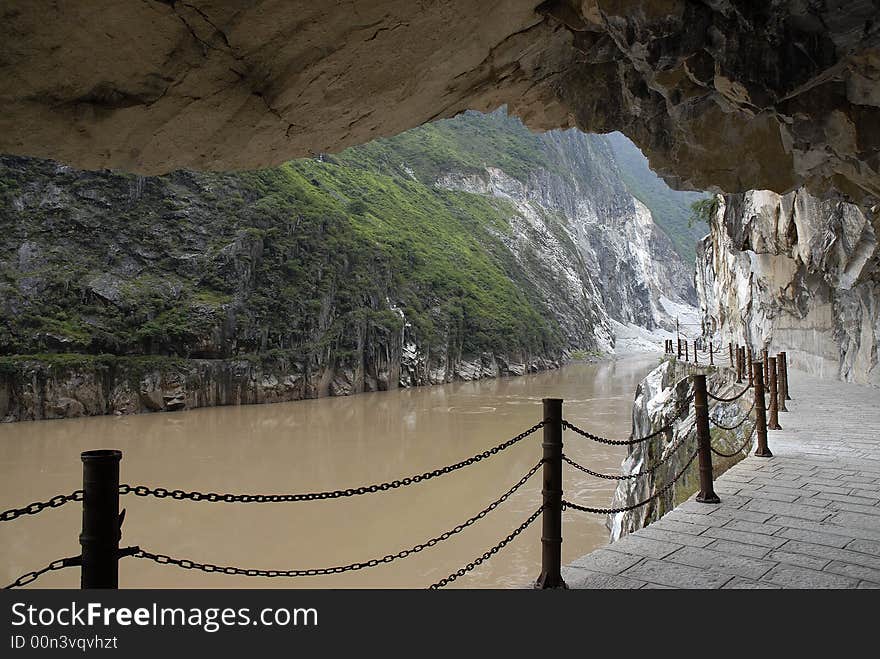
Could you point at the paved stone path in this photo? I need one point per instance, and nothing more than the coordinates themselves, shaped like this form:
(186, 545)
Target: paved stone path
(807, 518)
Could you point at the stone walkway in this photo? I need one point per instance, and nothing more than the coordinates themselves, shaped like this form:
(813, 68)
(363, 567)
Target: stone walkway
(807, 518)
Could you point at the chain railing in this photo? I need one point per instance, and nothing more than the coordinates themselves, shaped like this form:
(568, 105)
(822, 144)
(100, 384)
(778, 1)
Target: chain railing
(101, 492)
(637, 440)
(39, 506)
(646, 472)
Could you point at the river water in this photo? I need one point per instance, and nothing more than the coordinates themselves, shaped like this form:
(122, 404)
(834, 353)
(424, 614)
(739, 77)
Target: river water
(326, 444)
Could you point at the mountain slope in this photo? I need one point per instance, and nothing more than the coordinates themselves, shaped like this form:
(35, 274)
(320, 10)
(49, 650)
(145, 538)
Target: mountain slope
(671, 209)
(465, 248)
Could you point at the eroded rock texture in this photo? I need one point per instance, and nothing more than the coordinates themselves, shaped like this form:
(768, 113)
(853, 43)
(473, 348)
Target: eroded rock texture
(798, 274)
(728, 93)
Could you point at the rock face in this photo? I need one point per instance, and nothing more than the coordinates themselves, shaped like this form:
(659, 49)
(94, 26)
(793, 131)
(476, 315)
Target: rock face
(427, 258)
(661, 398)
(798, 274)
(729, 93)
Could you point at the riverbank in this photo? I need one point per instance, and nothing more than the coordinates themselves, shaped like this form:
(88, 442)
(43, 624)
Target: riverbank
(59, 386)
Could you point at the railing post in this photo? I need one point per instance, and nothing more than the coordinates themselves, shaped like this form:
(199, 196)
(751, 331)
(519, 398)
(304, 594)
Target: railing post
(696, 354)
(766, 357)
(678, 356)
(711, 355)
(551, 535)
(704, 441)
(100, 523)
(784, 358)
(739, 365)
(780, 385)
(686, 355)
(774, 397)
(730, 352)
(760, 413)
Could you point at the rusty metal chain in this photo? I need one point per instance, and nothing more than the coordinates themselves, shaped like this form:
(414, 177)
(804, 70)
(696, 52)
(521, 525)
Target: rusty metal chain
(741, 421)
(739, 450)
(161, 492)
(38, 506)
(187, 564)
(656, 495)
(646, 472)
(721, 399)
(30, 577)
(630, 442)
(488, 553)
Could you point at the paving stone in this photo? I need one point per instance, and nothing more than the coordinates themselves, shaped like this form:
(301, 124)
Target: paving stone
(794, 491)
(752, 527)
(857, 492)
(868, 584)
(738, 583)
(793, 576)
(827, 527)
(671, 536)
(695, 507)
(639, 546)
(854, 508)
(745, 515)
(871, 547)
(854, 571)
(845, 498)
(676, 575)
(738, 548)
(580, 578)
(717, 561)
(789, 509)
(859, 520)
(815, 537)
(609, 562)
(814, 501)
(690, 518)
(834, 554)
(793, 558)
(746, 538)
(667, 524)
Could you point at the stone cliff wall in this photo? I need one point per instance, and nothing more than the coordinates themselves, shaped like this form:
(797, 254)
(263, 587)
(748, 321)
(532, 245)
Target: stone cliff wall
(37, 390)
(795, 273)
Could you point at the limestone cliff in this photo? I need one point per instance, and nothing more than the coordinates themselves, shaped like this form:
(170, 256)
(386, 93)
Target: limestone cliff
(732, 93)
(795, 273)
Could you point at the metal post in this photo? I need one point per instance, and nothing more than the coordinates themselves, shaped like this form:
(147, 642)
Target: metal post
(784, 358)
(100, 526)
(704, 441)
(730, 352)
(766, 357)
(780, 385)
(739, 365)
(773, 423)
(551, 535)
(760, 413)
(679, 347)
(686, 355)
(696, 354)
(711, 355)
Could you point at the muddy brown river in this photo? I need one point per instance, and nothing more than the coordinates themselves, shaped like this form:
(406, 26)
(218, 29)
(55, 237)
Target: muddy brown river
(325, 444)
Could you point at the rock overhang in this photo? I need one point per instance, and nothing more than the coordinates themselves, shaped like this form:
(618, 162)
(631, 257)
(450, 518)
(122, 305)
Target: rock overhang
(727, 95)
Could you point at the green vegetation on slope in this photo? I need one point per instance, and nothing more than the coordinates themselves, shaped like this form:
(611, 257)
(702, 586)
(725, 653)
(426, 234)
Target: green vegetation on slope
(308, 258)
